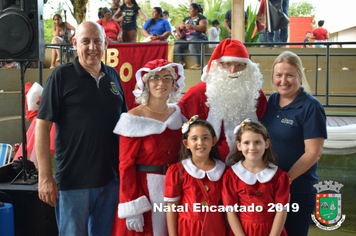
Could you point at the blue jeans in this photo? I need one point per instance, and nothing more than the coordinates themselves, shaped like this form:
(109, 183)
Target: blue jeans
(283, 35)
(298, 223)
(319, 45)
(87, 210)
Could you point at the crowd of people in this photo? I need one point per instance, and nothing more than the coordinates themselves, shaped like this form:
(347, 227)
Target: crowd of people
(150, 170)
(211, 162)
(120, 25)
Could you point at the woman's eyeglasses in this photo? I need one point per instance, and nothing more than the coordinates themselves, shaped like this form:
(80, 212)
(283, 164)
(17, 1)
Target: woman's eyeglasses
(156, 78)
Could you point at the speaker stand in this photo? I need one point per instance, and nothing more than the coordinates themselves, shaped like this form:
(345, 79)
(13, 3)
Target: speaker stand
(25, 179)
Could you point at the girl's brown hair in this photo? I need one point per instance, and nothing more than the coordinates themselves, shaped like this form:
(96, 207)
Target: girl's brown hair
(214, 152)
(257, 128)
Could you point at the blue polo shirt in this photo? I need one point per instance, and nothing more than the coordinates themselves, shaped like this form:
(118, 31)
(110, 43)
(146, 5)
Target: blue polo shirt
(160, 27)
(289, 126)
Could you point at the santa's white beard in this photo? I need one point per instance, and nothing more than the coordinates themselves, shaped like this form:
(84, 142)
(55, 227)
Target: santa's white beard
(231, 99)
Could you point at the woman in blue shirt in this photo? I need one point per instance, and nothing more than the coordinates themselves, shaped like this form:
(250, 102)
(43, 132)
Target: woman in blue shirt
(296, 122)
(157, 28)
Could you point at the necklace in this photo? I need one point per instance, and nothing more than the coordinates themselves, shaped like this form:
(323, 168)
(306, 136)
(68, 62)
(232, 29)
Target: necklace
(158, 112)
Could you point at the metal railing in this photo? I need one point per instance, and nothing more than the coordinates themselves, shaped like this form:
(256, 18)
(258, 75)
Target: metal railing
(68, 46)
(64, 50)
(327, 54)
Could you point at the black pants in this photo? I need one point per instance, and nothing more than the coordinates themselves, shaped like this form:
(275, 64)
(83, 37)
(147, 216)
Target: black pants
(298, 223)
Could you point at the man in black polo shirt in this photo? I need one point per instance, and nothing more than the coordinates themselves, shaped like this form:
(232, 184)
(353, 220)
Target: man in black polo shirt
(84, 99)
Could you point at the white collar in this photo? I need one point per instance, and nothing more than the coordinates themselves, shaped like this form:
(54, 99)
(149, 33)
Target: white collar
(138, 126)
(213, 174)
(251, 178)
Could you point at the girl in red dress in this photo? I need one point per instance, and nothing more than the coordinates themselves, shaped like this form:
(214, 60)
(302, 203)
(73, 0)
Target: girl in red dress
(193, 186)
(255, 191)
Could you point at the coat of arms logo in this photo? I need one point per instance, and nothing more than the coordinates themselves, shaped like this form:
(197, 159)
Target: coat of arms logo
(328, 206)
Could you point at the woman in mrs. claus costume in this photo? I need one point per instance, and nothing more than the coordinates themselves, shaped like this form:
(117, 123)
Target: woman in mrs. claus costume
(150, 139)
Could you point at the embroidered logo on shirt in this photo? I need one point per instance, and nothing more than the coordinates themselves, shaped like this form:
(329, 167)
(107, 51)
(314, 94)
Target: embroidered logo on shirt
(287, 121)
(113, 88)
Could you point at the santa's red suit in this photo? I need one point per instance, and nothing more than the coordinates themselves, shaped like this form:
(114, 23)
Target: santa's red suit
(194, 103)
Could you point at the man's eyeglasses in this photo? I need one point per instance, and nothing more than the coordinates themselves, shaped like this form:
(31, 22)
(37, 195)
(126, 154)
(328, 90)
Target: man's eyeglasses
(156, 78)
(238, 65)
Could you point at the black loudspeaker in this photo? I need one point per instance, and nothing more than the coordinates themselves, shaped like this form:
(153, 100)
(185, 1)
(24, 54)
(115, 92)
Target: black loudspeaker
(21, 30)
(32, 217)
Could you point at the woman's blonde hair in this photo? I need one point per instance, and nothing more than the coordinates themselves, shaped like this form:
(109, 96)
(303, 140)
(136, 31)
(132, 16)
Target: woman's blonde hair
(294, 60)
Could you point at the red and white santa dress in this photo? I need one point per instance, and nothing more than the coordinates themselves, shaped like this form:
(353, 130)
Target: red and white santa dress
(194, 102)
(266, 188)
(196, 188)
(149, 142)
(32, 101)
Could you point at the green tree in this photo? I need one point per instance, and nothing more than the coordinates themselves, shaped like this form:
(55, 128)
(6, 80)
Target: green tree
(175, 15)
(216, 9)
(301, 9)
(78, 8)
(48, 23)
(251, 35)
(147, 9)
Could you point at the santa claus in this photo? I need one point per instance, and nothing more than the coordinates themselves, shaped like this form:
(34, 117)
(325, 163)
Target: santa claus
(230, 91)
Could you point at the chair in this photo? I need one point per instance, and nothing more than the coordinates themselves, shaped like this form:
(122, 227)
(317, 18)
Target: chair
(5, 153)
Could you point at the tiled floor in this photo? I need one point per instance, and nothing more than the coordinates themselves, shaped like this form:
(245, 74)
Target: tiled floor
(334, 121)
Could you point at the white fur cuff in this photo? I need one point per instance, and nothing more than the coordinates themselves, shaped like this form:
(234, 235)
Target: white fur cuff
(171, 199)
(135, 207)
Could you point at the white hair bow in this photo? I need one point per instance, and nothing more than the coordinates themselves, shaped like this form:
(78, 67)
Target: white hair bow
(237, 128)
(185, 126)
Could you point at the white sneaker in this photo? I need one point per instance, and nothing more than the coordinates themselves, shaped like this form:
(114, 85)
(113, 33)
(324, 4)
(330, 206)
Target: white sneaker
(52, 67)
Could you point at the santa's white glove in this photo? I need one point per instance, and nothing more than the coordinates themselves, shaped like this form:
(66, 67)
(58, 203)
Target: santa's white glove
(135, 223)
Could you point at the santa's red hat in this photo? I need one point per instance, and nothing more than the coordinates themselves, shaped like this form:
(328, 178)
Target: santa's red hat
(155, 66)
(227, 50)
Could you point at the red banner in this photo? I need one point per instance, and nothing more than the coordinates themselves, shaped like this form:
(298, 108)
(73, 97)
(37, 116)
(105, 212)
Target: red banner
(261, 18)
(127, 58)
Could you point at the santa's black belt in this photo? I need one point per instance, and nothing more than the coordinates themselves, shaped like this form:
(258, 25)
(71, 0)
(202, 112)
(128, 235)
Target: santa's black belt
(155, 169)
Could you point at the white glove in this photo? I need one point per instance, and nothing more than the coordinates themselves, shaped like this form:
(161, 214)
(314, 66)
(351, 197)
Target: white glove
(135, 223)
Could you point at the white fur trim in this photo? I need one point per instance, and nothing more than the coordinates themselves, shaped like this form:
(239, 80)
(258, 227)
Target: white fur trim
(135, 207)
(171, 199)
(237, 59)
(140, 84)
(138, 126)
(216, 123)
(205, 75)
(213, 174)
(33, 96)
(250, 178)
(229, 131)
(155, 184)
